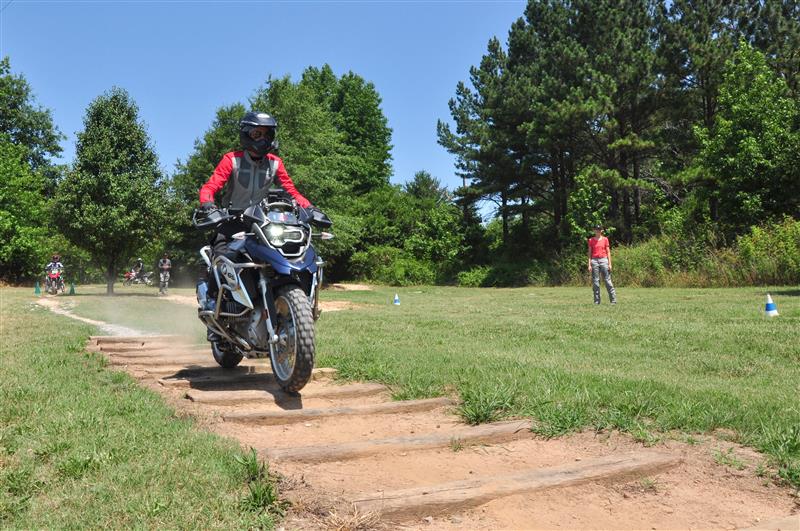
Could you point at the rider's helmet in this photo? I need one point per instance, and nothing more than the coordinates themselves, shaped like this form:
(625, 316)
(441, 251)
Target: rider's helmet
(255, 139)
(55, 257)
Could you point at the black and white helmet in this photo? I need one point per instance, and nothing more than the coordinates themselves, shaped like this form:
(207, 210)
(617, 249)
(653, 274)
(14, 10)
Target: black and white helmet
(251, 141)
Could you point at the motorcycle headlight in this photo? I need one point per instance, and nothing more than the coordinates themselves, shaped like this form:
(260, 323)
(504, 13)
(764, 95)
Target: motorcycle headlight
(275, 234)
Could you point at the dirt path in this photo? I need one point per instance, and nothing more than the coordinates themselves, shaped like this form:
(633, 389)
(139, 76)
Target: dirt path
(353, 458)
(65, 308)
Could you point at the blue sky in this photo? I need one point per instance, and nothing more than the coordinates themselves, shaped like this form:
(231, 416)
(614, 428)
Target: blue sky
(182, 60)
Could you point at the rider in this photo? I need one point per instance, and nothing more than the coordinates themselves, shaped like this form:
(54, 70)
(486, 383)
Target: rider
(249, 175)
(164, 267)
(138, 268)
(55, 263)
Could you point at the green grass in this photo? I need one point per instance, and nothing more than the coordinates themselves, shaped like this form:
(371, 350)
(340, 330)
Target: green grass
(690, 360)
(82, 446)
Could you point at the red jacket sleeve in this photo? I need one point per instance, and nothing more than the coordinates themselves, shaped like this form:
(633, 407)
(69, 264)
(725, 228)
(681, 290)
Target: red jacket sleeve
(287, 184)
(217, 179)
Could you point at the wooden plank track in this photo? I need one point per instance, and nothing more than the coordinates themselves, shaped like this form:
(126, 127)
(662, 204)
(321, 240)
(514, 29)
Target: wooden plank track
(302, 415)
(456, 495)
(488, 433)
(274, 392)
(220, 376)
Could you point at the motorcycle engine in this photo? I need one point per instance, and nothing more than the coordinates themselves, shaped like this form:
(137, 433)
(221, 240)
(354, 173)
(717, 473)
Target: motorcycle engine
(257, 330)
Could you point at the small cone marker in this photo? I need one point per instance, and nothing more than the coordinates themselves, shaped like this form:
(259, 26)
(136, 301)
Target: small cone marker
(771, 309)
(396, 299)
(36, 289)
(72, 288)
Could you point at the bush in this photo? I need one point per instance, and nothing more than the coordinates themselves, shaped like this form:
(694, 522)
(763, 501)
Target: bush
(771, 254)
(505, 274)
(389, 265)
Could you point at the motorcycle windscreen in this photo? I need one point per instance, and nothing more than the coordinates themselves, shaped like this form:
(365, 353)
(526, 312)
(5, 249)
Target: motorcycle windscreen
(281, 264)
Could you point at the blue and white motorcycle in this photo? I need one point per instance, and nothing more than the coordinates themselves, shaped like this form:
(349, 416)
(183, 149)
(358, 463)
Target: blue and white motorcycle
(267, 299)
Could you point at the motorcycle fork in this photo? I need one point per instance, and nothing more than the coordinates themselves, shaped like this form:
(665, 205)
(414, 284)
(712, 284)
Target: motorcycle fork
(269, 306)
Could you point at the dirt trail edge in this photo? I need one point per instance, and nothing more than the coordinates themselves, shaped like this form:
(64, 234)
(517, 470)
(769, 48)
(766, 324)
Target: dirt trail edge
(351, 458)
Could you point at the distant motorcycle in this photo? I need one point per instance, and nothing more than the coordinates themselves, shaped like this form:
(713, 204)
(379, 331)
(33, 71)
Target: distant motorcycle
(54, 282)
(132, 277)
(268, 299)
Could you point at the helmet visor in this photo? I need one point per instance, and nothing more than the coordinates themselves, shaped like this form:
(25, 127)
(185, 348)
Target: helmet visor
(257, 133)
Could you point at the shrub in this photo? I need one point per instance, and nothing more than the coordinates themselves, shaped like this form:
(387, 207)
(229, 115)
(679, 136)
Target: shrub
(473, 278)
(389, 265)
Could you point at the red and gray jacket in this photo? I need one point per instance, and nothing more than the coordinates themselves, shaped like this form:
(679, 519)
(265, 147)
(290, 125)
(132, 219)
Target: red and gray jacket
(248, 180)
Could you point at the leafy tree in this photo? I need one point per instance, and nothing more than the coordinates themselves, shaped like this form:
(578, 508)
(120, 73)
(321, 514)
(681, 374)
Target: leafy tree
(189, 176)
(25, 123)
(113, 200)
(28, 125)
(752, 152)
(23, 227)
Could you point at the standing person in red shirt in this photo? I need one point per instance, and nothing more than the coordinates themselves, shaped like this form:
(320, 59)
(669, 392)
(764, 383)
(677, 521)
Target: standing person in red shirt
(600, 263)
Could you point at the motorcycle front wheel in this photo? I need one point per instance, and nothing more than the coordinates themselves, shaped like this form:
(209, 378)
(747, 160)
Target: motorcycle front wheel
(292, 358)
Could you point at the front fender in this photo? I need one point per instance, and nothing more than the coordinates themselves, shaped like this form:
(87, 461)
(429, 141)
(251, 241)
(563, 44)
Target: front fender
(281, 264)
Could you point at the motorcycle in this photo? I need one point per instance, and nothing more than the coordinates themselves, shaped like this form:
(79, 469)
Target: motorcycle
(54, 282)
(131, 277)
(267, 301)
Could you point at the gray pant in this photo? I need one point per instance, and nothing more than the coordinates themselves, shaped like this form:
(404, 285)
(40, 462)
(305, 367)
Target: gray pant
(600, 267)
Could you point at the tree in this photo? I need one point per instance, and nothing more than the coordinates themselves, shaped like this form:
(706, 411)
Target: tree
(28, 125)
(354, 104)
(752, 151)
(113, 200)
(426, 188)
(23, 227)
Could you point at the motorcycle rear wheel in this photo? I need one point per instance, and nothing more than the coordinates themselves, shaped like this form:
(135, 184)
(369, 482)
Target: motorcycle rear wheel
(292, 358)
(226, 356)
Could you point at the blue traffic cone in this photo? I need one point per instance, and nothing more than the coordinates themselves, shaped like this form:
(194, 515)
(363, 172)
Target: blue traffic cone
(396, 299)
(72, 288)
(771, 309)
(36, 289)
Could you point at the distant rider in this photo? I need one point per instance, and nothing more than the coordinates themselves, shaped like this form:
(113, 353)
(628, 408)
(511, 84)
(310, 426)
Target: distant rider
(249, 174)
(55, 263)
(164, 267)
(138, 268)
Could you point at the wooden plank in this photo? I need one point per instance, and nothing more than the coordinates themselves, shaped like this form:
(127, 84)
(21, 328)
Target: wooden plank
(787, 523)
(159, 360)
(458, 495)
(129, 339)
(159, 353)
(207, 366)
(227, 377)
(132, 348)
(497, 432)
(273, 392)
(302, 415)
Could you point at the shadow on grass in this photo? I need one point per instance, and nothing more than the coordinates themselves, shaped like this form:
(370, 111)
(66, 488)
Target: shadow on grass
(787, 292)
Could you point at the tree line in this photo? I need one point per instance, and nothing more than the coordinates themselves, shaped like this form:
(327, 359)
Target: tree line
(629, 113)
(677, 120)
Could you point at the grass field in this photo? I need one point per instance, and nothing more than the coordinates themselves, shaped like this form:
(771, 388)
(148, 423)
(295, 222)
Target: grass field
(664, 362)
(85, 447)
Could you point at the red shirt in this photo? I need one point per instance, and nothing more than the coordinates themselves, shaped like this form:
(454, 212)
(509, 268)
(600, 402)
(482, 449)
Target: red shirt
(223, 171)
(599, 247)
